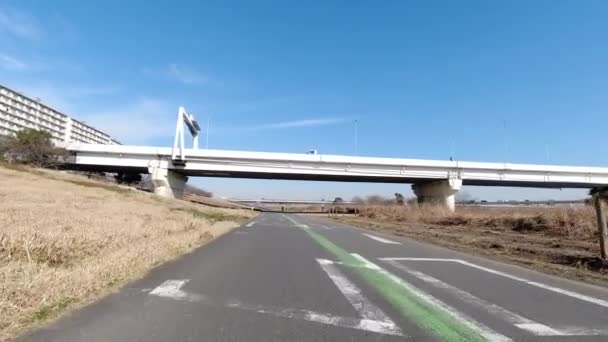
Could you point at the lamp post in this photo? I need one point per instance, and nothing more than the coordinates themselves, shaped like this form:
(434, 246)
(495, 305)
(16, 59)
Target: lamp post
(207, 133)
(356, 137)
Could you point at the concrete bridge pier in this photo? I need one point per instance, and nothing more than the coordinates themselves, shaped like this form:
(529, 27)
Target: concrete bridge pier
(439, 192)
(168, 183)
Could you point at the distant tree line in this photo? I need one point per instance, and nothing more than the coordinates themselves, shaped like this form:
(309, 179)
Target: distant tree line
(399, 199)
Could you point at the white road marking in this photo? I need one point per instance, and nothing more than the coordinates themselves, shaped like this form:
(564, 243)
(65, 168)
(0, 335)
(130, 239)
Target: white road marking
(470, 322)
(565, 292)
(325, 227)
(250, 224)
(418, 259)
(373, 316)
(172, 289)
(573, 331)
(540, 329)
(383, 240)
(318, 317)
(358, 265)
(511, 317)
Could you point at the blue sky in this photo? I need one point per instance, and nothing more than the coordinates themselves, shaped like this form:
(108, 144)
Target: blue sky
(516, 81)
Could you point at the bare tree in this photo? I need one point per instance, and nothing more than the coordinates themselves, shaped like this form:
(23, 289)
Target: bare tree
(464, 196)
(357, 200)
(375, 199)
(399, 199)
(33, 147)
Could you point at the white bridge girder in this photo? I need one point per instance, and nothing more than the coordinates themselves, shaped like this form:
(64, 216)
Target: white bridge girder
(218, 163)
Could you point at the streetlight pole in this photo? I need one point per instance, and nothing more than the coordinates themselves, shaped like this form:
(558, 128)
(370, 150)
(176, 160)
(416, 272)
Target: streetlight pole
(207, 133)
(452, 157)
(504, 125)
(356, 137)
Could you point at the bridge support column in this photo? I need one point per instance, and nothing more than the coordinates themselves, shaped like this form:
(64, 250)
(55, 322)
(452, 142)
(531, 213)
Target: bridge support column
(168, 183)
(440, 192)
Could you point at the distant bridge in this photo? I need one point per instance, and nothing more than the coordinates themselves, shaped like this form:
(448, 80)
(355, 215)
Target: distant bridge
(433, 180)
(285, 201)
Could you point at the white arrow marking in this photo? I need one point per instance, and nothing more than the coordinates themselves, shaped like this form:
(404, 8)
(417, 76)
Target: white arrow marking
(172, 289)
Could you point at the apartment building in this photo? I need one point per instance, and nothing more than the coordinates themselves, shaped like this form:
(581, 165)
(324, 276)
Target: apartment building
(18, 111)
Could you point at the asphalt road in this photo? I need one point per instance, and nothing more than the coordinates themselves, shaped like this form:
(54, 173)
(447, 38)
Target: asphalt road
(298, 278)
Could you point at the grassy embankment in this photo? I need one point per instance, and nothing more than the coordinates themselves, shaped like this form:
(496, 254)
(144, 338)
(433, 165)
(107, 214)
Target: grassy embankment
(558, 240)
(66, 240)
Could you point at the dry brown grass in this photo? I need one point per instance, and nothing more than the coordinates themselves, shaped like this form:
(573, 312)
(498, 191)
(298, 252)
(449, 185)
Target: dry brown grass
(66, 240)
(557, 240)
(566, 222)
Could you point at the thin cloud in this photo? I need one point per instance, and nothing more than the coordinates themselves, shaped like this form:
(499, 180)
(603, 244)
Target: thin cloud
(225, 129)
(95, 90)
(284, 125)
(19, 24)
(140, 122)
(186, 75)
(180, 73)
(12, 64)
(301, 123)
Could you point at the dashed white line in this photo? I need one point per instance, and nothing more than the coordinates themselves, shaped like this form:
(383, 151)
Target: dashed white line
(418, 259)
(250, 224)
(565, 292)
(572, 294)
(383, 240)
(511, 317)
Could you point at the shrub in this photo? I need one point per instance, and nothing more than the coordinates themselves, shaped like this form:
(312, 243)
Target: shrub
(129, 178)
(190, 189)
(32, 147)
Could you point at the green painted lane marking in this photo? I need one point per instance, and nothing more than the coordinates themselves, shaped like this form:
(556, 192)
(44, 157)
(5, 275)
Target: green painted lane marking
(428, 317)
(435, 319)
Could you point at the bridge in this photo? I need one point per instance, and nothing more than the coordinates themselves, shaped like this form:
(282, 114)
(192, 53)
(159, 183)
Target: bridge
(285, 201)
(435, 181)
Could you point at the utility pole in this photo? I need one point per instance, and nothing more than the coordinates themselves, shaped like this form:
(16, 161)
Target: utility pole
(356, 137)
(504, 125)
(207, 133)
(452, 157)
(601, 223)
